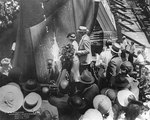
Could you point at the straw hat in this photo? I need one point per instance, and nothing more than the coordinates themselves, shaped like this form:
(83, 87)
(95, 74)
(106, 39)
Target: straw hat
(11, 98)
(82, 29)
(92, 114)
(124, 97)
(102, 103)
(116, 48)
(32, 102)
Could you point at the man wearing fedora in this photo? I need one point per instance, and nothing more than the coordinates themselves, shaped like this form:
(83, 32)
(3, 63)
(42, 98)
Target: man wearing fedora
(84, 51)
(113, 68)
(85, 92)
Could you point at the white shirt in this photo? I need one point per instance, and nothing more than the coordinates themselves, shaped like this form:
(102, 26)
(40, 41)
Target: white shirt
(104, 57)
(132, 49)
(140, 59)
(75, 45)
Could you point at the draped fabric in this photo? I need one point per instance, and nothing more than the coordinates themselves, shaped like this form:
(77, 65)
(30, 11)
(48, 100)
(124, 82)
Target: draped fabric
(106, 20)
(33, 44)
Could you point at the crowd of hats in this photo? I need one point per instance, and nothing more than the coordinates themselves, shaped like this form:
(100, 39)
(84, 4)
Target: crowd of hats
(8, 12)
(102, 104)
(12, 99)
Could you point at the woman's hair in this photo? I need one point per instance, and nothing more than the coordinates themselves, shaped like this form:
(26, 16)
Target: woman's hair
(133, 109)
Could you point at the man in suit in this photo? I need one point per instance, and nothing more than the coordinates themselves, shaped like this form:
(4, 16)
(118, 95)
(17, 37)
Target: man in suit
(113, 68)
(84, 51)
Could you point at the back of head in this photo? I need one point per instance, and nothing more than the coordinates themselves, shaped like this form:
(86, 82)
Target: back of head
(133, 110)
(123, 55)
(108, 43)
(46, 115)
(127, 66)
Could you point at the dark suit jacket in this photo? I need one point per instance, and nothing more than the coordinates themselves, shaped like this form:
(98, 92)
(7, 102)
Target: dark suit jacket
(113, 67)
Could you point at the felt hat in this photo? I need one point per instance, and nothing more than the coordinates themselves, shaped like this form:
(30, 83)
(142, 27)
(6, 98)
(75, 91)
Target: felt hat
(86, 77)
(30, 85)
(124, 97)
(82, 29)
(91, 114)
(32, 102)
(112, 94)
(116, 48)
(11, 98)
(102, 103)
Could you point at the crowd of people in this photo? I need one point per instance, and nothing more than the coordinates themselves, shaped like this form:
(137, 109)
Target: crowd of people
(113, 82)
(114, 86)
(8, 12)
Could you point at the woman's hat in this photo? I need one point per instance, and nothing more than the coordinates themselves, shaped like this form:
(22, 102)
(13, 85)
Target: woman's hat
(102, 103)
(71, 36)
(86, 77)
(11, 98)
(32, 102)
(82, 29)
(91, 114)
(30, 85)
(124, 97)
(116, 48)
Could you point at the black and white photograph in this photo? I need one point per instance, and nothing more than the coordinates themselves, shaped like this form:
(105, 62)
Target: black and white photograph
(74, 59)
